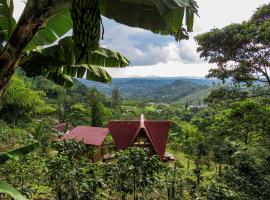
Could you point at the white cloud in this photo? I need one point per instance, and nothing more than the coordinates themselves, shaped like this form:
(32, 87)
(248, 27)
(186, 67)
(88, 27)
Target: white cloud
(169, 69)
(18, 8)
(219, 13)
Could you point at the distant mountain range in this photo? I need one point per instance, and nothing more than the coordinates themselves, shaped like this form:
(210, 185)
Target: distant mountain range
(155, 89)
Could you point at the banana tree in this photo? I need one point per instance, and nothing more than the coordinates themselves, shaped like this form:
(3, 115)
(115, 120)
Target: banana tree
(6, 188)
(44, 22)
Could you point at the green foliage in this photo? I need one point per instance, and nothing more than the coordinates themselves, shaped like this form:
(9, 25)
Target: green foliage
(59, 63)
(174, 179)
(71, 174)
(8, 189)
(162, 16)
(54, 29)
(241, 121)
(116, 98)
(79, 114)
(4, 157)
(248, 176)
(7, 21)
(246, 45)
(25, 173)
(97, 108)
(217, 190)
(97, 114)
(12, 138)
(133, 172)
(261, 15)
(159, 90)
(44, 134)
(21, 102)
(5, 160)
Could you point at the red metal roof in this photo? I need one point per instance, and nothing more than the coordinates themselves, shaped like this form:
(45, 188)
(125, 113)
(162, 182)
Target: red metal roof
(87, 134)
(61, 127)
(125, 132)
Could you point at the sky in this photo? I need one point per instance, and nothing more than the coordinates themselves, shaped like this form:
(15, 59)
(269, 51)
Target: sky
(153, 55)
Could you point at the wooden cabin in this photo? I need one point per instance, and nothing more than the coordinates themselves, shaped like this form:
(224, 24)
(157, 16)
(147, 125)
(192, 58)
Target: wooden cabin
(149, 134)
(92, 136)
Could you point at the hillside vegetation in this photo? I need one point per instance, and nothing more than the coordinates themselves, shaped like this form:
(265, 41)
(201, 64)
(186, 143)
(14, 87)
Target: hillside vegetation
(156, 89)
(215, 145)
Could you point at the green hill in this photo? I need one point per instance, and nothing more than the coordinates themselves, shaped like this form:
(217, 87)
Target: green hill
(156, 89)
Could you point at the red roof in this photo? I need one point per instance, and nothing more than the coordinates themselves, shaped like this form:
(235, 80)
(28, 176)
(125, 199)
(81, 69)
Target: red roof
(87, 134)
(61, 127)
(124, 133)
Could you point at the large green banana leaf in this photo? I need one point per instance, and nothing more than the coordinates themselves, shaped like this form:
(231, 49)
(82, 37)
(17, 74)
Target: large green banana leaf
(54, 29)
(159, 16)
(4, 157)
(66, 53)
(59, 63)
(64, 75)
(5, 188)
(7, 22)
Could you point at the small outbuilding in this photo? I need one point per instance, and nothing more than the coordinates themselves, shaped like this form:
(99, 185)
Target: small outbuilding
(62, 128)
(149, 134)
(92, 136)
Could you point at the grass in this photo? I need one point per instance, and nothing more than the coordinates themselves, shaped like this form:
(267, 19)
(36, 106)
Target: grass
(208, 174)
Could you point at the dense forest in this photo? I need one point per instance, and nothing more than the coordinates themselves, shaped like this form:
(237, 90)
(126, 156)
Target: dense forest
(219, 134)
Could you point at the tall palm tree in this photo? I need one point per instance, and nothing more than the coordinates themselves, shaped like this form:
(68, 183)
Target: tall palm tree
(28, 43)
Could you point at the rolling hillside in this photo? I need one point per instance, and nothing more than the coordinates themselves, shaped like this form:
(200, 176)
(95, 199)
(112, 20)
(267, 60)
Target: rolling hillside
(155, 89)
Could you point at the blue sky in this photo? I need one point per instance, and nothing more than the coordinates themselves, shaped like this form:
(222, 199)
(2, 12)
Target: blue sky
(155, 55)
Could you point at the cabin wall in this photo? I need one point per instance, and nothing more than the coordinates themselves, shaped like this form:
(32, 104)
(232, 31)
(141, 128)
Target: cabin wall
(97, 154)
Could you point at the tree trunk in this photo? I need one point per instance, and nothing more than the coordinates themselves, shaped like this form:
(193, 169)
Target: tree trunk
(188, 163)
(219, 169)
(34, 17)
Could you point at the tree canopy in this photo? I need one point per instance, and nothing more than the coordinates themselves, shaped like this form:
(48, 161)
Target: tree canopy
(241, 51)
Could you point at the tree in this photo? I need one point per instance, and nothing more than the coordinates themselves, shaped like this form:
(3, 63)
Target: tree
(97, 114)
(244, 121)
(97, 107)
(79, 114)
(95, 96)
(241, 51)
(21, 102)
(70, 172)
(39, 26)
(116, 98)
(133, 172)
(248, 176)
(174, 181)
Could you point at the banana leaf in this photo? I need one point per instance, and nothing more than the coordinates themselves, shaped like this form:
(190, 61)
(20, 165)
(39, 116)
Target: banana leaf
(64, 75)
(59, 63)
(159, 16)
(7, 22)
(4, 157)
(6, 188)
(66, 53)
(54, 29)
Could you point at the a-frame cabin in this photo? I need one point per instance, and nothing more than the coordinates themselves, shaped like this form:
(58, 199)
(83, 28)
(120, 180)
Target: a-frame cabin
(149, 134)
